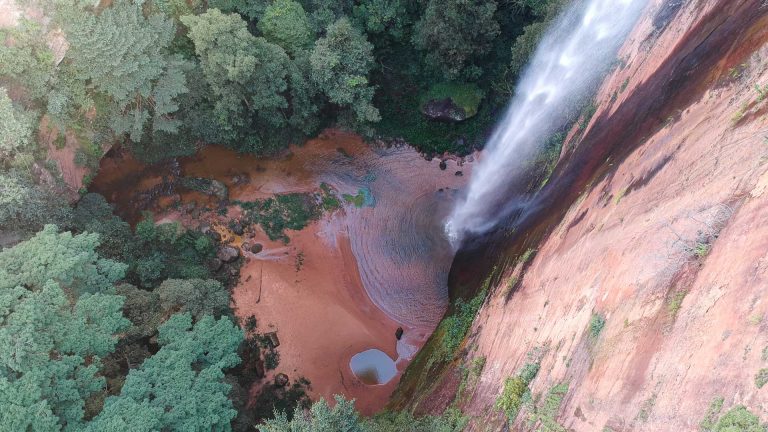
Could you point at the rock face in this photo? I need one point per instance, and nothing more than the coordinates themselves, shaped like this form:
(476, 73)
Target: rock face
(667, 243)
(443, 110)
(228, 254)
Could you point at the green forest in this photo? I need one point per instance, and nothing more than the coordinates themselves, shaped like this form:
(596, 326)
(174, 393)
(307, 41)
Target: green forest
(109, 326)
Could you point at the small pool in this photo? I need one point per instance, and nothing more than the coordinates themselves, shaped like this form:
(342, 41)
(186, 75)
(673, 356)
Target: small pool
(373, 367)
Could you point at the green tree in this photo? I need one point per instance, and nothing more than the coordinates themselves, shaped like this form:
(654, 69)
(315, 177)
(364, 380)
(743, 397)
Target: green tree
(383, 16)
(197, 296)
(15, 128)
(51, 341)
(182, 386)
(285, 23)
(27, 61)
(246, 75)
(250, 9)
(322, 418)
(125, 55)
(455, 32)
(25, 206)
(341, 61)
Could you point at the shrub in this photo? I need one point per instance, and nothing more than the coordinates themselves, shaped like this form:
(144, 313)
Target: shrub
(596, 324)
(739, 418)
(761, 378)
(457, 325)
(516, 391)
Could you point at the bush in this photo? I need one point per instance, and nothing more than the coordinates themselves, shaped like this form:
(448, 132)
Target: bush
(516, 391)
(761, 378)
(596, 324)
(739, 419)
(457, 325)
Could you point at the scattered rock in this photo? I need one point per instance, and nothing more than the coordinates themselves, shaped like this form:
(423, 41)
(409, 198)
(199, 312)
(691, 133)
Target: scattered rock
(443, 110)
(458, 173)
(443, 165)
(256, 248)
(399, 333)
(281, 380)
(228, 254)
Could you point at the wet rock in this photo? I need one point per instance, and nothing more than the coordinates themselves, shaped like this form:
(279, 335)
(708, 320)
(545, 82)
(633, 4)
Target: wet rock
(228, 254)
(237, 228)
(213, 235)
(399, 333)
(215, 264)
(206, 186)
(443, 110)
(256, 248)
(458, 173)
(443, 165)
(281, 380)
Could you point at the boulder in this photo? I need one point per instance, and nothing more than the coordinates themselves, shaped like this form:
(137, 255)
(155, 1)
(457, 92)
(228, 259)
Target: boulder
(281, 380)
(215, 264)
(443, 165)
(443, 110)
(228, 254)
(399, 333)
(256, 248)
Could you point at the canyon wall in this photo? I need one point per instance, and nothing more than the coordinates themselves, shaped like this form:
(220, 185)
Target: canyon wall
(642, 293)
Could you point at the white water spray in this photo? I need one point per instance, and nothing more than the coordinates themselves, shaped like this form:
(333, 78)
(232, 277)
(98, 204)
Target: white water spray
(569, 62)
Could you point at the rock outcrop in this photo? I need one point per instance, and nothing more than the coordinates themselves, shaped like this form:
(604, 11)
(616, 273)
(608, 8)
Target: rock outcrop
(644, 302)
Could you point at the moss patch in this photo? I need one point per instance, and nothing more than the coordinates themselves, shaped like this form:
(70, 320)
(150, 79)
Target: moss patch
(467, 96)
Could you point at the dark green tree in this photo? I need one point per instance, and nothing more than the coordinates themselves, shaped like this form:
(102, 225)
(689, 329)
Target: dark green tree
(16, 127)
(383, 16)
(285, 23)
(247, 78)
(182, 386)
(197, 296)
(454, 33)
(341, 62)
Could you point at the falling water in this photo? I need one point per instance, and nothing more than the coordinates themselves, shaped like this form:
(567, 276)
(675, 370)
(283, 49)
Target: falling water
(567, 65)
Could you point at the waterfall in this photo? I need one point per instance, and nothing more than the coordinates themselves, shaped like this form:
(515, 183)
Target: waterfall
(573, 56)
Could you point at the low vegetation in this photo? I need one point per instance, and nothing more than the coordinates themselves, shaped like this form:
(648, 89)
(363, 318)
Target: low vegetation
(343, 417)
(596, 324)
(544, 414)
(761, 378)
(456, 326)
(292, 211)
(516, 391)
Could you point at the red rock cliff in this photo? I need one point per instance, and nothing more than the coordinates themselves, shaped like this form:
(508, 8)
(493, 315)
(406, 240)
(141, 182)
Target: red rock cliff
(661, 229)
